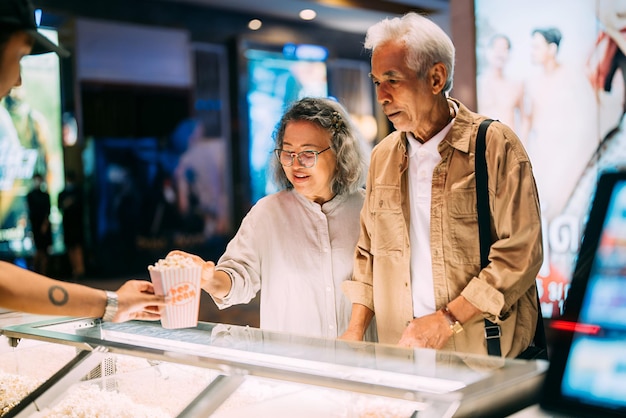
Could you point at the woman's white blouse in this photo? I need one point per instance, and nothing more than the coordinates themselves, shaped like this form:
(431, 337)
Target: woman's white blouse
(297, 253)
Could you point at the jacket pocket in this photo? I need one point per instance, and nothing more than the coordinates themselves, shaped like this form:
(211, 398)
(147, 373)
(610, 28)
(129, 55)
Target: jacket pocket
(463, 226)
(388, 234)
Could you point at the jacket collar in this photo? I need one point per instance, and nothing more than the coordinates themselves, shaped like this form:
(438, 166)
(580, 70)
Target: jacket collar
(462, 130)
(459, 136)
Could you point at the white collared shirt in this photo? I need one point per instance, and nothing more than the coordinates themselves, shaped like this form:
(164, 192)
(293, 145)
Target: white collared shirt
(422, 161)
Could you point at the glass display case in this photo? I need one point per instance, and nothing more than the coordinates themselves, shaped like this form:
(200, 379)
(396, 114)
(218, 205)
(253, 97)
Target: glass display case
(231, 371)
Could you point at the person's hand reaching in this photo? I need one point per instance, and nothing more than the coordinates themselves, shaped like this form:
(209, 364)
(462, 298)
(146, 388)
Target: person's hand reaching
(207, 281)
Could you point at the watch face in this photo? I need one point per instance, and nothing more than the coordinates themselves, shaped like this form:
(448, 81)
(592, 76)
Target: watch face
(456, 327)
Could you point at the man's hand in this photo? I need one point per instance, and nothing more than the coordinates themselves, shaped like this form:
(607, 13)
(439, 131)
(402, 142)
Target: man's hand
(429, 331)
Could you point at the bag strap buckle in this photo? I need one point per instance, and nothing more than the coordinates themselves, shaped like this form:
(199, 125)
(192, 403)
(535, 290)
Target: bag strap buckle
(492, 331)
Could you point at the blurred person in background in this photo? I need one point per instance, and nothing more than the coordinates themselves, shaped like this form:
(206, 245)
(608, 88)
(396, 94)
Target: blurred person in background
(499, 96)
(71, 205)
(201, 180)
(38, 201)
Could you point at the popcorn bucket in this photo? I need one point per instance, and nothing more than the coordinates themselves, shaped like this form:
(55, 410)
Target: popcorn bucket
(182, 285)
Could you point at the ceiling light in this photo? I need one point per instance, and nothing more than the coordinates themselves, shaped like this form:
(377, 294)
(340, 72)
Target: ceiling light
(255, 24)
(307, 14)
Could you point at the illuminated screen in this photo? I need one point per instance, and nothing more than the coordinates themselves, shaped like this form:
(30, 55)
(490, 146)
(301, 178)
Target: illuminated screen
(30, 142)
(595, 367)
(551, 71)
(275, 81)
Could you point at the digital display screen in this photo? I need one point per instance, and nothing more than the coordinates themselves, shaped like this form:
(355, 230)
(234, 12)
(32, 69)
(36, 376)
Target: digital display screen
(275, 80)
(596, 366)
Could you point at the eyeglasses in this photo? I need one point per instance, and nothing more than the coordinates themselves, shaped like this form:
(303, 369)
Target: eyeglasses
(307, 159)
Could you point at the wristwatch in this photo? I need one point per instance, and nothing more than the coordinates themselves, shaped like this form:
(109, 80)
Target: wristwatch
(111, 307)
(455, 325)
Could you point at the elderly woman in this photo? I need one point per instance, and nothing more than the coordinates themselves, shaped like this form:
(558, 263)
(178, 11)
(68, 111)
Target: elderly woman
(297, 245)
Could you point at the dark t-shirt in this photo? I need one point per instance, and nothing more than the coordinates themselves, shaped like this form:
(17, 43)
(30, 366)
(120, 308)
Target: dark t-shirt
(38, 212)
(71, 206)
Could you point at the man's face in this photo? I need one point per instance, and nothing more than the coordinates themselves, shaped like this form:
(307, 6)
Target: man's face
(18, 46)
(498, 53)
(540, 50)
(406, 99)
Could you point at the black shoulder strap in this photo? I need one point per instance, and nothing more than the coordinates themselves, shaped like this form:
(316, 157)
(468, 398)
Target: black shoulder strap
(492, 330)
(482, 194)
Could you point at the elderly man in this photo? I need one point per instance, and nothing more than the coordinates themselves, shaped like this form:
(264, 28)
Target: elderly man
(417, 265)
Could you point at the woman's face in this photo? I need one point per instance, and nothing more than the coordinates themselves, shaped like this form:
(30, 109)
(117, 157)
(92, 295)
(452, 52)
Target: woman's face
(17, 47)
(315, 182)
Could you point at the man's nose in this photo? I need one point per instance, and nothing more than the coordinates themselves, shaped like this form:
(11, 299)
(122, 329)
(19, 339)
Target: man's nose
(382, 95)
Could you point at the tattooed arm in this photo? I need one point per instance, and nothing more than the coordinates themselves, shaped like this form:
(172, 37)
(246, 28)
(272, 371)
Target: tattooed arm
(26, 291)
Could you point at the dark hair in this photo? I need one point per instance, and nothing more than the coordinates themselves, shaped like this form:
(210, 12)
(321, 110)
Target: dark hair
(345, 142)
(5, 34)
(552, 35)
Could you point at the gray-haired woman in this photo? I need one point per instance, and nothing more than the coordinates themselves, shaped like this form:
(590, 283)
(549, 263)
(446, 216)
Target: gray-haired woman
(297, 245)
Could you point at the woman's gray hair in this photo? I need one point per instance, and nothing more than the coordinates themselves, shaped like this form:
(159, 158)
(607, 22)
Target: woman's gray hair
(426, 43)
(345, 142)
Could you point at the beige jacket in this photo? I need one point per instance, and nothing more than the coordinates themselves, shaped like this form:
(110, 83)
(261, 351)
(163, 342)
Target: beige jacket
(504, 291)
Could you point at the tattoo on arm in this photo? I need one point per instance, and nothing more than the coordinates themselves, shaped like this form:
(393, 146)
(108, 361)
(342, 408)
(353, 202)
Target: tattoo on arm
(58, 295)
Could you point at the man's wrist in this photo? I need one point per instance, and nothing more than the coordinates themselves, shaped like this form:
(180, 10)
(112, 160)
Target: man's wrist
(454, 323)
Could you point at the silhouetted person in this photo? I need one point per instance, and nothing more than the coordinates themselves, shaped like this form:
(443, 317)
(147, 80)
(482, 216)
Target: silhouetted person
(71, 205)
(38, 213)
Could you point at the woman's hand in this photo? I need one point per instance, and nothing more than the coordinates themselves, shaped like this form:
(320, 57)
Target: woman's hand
(207, 281)
(350, 335)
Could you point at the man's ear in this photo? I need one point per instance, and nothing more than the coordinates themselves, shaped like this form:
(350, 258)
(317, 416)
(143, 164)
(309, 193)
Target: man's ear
(438, 76)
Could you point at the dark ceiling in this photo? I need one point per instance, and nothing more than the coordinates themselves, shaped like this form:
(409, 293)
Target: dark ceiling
(347, 15)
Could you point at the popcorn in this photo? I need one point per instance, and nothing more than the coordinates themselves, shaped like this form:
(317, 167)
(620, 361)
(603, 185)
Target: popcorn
(178, 277)
(13, 388)
(173, 261)
(86, 401)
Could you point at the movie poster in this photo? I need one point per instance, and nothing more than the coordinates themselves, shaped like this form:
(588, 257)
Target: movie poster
(554, 72)
(30, 142)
